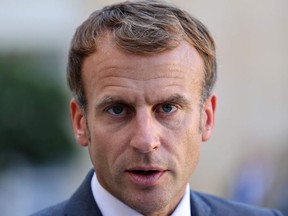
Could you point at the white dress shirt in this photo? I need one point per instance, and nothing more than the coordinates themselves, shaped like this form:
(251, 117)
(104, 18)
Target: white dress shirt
(111, 206)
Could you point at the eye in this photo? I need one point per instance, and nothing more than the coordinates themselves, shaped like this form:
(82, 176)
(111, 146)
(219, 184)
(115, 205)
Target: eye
(167, 108)
(117, 110)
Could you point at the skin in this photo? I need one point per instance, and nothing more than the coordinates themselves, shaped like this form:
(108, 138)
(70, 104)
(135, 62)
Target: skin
(144, 116)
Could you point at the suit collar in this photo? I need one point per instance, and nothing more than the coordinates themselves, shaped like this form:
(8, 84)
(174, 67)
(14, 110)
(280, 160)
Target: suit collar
(82, 202)
(198, 206)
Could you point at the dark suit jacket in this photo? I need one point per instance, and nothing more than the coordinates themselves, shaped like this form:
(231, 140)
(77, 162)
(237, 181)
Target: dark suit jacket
(82, 203)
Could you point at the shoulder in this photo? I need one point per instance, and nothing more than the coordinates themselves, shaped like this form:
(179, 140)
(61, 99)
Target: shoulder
(219, 206)
(81, 202)
(57, 209)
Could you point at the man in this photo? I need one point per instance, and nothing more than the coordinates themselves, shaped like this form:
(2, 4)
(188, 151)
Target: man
(142, 75)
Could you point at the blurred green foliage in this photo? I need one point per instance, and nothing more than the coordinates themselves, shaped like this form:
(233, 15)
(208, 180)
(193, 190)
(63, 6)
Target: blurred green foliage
(33, 113)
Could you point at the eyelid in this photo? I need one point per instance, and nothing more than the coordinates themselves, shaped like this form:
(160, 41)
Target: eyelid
(126, 109)
(110, 110)
(176, 106)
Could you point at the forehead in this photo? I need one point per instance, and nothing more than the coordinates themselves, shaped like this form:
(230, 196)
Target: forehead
(108, 62)
(108, 53)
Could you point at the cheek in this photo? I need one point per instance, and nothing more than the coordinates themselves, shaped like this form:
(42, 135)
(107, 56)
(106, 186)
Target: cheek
(184, 144)
(192, 153)
(191, 142)
(105, 147)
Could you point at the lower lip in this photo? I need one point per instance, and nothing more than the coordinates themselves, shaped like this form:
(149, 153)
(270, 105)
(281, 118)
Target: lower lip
(145, 180)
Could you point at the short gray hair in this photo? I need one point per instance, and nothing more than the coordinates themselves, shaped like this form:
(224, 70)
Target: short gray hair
(140, 27)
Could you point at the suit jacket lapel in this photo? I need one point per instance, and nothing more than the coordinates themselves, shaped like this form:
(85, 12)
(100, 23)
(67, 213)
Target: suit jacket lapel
(198, 206)
(82, 202)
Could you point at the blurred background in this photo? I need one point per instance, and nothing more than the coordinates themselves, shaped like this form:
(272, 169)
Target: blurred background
(247, 157)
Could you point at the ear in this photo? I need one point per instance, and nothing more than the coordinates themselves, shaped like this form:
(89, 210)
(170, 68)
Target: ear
(78, 123)
(208, 114)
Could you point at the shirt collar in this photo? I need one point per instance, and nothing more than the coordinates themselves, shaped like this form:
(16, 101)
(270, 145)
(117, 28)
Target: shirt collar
(111, 206)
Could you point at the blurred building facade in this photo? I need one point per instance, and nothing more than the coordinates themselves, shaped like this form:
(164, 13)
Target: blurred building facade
(252, 112)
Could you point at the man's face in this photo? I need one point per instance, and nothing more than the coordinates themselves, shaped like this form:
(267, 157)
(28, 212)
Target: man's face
(144, 123)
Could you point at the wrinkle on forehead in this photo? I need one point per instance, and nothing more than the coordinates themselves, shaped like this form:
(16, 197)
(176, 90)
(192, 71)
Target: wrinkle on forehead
(110, 66)
(107, 48)
(170, 71)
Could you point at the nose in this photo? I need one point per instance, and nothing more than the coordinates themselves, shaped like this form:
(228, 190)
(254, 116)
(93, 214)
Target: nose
(146, 134)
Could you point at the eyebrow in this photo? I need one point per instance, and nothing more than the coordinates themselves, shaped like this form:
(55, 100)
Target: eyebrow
(106, 100)
(175, 98)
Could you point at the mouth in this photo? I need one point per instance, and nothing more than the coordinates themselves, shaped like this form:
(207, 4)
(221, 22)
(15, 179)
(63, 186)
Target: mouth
(145, 177)
(145, 172)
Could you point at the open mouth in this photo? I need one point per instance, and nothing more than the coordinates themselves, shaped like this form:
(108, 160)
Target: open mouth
(145, 178)
(145, 172)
